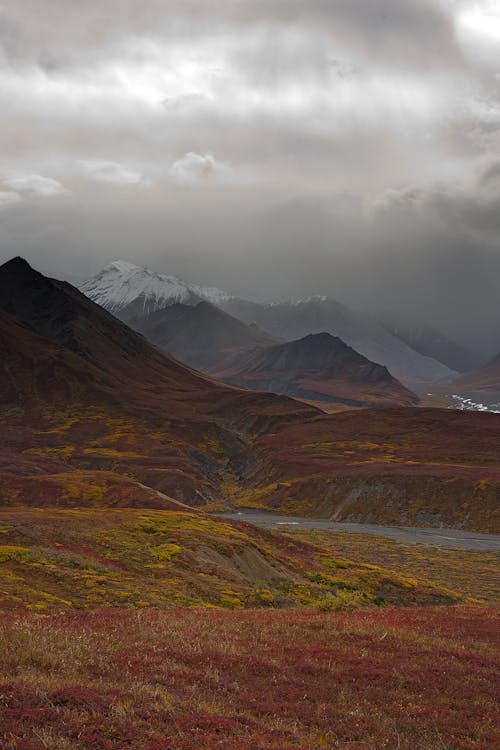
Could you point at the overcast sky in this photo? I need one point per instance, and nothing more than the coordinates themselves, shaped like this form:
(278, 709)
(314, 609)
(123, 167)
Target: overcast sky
(273, 148)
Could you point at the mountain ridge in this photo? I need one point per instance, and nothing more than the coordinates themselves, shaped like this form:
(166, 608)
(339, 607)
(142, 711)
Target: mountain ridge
(115, 289)
(128, 290)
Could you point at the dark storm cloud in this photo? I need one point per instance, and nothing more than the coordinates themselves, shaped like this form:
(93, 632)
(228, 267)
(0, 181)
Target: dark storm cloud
(274, 148)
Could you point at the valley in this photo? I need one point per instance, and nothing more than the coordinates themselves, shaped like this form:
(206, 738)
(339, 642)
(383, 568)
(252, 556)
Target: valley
(371, 540)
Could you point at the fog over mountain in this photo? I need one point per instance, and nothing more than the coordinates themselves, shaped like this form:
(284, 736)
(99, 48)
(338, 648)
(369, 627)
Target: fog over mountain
(273, 150)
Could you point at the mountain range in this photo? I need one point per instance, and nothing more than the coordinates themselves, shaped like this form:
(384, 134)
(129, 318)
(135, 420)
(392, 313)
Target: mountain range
(318, 367)
(294, 320)
(93, 415)
(432, 343)
(131, 293)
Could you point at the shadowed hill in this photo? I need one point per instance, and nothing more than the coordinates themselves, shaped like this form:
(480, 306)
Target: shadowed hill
(318, 367)
(123, 358)
(202, 336)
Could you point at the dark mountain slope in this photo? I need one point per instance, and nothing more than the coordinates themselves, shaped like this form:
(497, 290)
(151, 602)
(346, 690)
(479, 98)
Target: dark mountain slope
(135, 368)
(319, 367)
(202, 335)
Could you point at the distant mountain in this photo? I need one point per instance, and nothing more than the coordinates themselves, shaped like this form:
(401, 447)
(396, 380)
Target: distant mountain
(292, 321)
(432, 343)
(130, 291)
(202, 335)
(318, 367)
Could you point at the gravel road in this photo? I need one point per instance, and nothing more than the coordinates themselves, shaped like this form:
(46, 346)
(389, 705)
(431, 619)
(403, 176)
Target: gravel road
(453, 538)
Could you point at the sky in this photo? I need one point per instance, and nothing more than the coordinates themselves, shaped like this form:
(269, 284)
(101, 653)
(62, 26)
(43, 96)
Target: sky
(274, 149)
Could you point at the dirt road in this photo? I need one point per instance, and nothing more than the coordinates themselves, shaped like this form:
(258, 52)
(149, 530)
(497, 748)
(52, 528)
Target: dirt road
(453, 538)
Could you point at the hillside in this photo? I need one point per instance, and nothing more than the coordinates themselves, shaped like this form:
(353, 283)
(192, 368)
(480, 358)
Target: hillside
(319, 367)
(68, 559)
(482, 383)
(394, 466)
(202, 335)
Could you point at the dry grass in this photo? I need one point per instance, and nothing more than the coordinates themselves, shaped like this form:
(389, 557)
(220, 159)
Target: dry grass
(471, 573)
(409, 679)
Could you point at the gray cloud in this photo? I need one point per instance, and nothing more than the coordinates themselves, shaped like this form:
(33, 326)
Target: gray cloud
(36, 184)
(110, 171)
(274, 148)
(193, 167)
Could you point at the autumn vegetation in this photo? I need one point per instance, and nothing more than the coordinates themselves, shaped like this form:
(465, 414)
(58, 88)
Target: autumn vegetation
(81, 558)
(416, 679)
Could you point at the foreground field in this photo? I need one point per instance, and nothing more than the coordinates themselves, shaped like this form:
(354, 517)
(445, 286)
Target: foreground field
(414, 679)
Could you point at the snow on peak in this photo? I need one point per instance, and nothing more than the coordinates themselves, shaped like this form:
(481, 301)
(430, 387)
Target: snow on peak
(122, 266)
(122, 284)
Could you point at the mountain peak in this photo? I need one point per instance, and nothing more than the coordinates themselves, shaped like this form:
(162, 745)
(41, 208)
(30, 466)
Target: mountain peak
(131, 291)
(318, 367)
(323, 337)
(18, 266)
(122, 266)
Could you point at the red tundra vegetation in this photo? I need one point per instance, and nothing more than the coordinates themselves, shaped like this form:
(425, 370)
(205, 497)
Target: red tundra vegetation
(414, 679)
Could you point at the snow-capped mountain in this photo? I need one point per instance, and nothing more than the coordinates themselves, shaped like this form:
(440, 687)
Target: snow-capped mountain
(130, 291)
